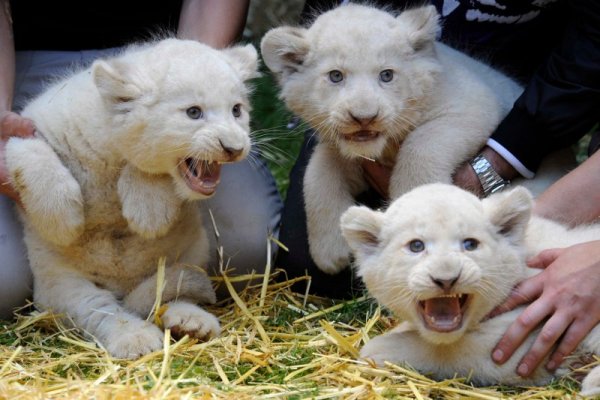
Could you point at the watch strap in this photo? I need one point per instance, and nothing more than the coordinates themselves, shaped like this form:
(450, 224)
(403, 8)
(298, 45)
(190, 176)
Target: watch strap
(490, 180)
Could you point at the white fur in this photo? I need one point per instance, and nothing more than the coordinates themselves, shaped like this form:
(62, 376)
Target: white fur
(443, 216)
(104, 195)
(436, 112)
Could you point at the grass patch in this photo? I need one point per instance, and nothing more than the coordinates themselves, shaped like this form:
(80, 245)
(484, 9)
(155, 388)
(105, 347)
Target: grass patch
(291, 347)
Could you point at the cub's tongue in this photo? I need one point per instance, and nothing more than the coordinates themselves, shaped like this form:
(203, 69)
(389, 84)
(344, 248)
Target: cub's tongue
(442, 314)
(201, 176)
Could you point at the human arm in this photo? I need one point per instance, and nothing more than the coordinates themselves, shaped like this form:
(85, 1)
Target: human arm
(557, 107)
(378, 176)
(11, 123)
(565, 294)
(575, 198)
(560, 102)
(217, 23)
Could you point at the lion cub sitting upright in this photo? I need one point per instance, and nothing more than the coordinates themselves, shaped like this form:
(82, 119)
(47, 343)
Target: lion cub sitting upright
(378, 86)
(441, 259)
(107, 185)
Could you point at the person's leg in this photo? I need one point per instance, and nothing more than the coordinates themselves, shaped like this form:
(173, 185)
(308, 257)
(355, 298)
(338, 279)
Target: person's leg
(15, 275)
(297, 261)
(246, 208)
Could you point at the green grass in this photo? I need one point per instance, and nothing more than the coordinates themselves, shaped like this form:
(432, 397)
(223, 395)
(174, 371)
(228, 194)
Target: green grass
(278, 144)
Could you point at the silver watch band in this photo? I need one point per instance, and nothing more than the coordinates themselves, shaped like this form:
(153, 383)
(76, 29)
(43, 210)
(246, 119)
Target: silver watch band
(490, 181)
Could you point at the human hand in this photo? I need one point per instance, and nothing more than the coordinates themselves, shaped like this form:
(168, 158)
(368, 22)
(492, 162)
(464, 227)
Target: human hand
(377, 176)
(11, 124)
(565, 294)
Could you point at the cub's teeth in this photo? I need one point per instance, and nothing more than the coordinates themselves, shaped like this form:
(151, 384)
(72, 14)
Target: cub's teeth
(431, 319)
(455, 320)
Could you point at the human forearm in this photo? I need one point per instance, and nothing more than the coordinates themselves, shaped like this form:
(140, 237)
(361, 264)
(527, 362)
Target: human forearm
(575, 198)
(217, 23)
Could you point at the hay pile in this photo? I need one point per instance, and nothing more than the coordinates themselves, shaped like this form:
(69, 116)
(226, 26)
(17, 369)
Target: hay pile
(275, 344)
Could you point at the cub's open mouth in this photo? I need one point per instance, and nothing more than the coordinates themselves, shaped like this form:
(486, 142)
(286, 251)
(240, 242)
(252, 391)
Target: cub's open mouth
(361, 136)
(201, 176)
(444, 313)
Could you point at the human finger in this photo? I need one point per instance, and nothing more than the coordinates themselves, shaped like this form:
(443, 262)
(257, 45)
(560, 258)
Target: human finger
(525, 292)
(12, 124)
(516, 333)
(575, 333)
(544, 258)
(543, 343)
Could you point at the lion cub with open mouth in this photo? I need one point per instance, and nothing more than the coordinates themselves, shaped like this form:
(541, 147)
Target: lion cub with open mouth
(441, 259)
(122, 149)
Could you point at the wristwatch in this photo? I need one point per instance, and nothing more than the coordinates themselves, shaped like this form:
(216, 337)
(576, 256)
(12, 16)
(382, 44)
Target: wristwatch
(490, 181)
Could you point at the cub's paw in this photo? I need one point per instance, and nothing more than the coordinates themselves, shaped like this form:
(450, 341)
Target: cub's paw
(189, 319)
(50, 194)
(134, 339)
(148, 202)
(330, 253)
(377, 352)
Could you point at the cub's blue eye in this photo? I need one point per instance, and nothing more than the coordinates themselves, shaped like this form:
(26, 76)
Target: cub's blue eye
(336, 76)
(194, 112)
(237, 110)
(416, 246)
(386, 75)
(470, 244)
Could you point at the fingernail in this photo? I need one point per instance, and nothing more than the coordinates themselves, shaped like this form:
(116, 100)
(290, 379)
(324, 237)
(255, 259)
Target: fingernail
(523, 369)
(498, 355)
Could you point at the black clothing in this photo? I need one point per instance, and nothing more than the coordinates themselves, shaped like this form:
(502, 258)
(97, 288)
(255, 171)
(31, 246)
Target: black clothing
(293, 233)
(551, 47)
(49, 25)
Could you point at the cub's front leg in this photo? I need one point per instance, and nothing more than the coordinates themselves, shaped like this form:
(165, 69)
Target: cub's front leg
(50, 194)
(433, 151)
(122, 333)
(330, 184)
(180, 281)
(396, 346)
(184, 286)
(149, 203)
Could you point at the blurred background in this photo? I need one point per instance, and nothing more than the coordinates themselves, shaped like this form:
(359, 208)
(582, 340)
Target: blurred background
(277, 142)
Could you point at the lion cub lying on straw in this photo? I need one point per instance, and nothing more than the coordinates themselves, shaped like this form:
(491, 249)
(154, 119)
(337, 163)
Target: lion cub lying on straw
(380, 87)
(441, 260)
(122, 149)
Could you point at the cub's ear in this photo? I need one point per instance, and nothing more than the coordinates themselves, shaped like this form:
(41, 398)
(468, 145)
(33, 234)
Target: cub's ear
(115, 82)
(361, 227)
(510, 212)
(420, 26)
(284, 49)
(244, 59)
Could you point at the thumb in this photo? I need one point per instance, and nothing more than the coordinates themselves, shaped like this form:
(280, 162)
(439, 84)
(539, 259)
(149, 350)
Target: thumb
(12, 124)
(544, 258)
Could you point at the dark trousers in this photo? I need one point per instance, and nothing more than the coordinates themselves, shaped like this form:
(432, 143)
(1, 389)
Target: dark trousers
(293, 234)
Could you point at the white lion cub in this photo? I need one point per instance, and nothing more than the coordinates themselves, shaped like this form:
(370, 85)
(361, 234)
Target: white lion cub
(106, 185)
(380, 87)
(441, 260)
